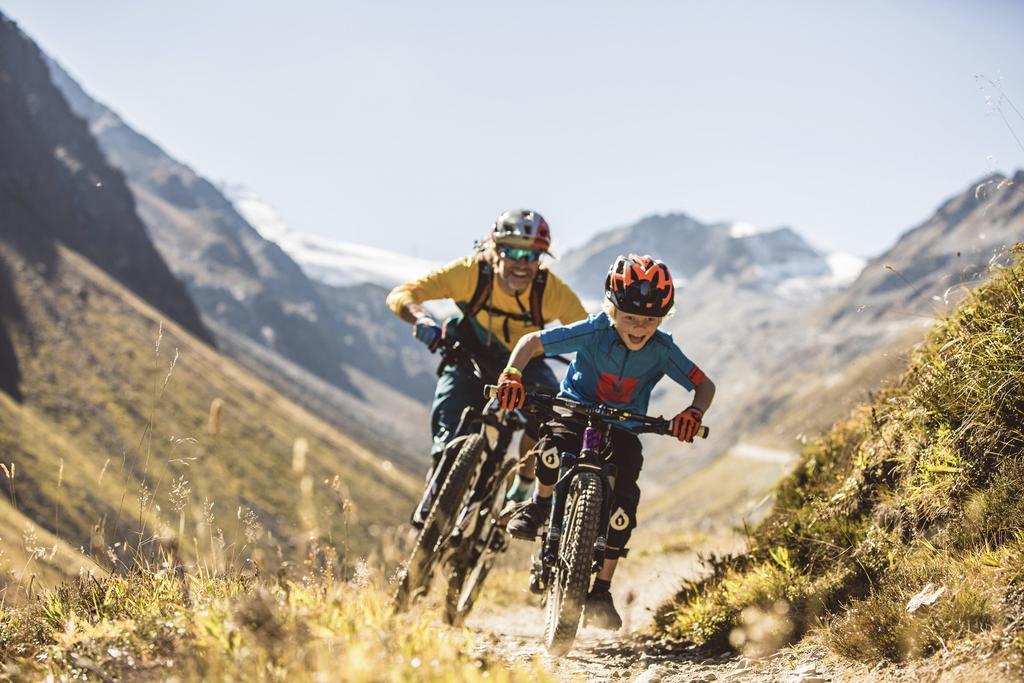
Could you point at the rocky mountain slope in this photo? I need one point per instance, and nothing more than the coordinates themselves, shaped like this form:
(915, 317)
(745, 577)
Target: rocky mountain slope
(898, 294)
(253, 294)
(56, 186)
(820, 364)
(121, 430)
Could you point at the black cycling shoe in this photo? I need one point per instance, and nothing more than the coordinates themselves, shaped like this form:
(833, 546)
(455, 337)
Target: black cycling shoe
(599, 611)
(528, 518)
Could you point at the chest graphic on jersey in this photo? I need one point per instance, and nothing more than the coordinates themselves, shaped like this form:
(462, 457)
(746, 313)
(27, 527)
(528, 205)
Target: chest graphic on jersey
(612, 389)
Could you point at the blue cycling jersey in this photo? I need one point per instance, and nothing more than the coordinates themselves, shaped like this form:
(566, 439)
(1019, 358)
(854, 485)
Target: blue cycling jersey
(605, 371)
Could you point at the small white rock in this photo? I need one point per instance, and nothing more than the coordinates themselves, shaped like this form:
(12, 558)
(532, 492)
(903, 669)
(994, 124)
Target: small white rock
(928, 596)
(653, 673)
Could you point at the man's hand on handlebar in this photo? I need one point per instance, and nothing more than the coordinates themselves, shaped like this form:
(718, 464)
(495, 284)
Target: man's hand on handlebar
(686, 424)
(428, 332)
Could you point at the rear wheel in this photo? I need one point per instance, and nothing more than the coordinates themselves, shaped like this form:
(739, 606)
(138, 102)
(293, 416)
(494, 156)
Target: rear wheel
(437, 526)
(571, 577)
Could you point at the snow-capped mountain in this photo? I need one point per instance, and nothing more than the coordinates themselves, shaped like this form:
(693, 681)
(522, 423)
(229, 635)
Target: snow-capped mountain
(775, 260)
(332, 262)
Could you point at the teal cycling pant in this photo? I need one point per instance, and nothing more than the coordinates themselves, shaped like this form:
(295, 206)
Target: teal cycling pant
(458, 388)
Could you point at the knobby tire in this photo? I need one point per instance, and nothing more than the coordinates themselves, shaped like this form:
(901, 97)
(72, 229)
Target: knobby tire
(571, 578)
(419, 568)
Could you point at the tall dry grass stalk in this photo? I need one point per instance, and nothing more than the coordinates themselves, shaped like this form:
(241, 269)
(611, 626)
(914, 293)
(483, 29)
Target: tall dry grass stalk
(213, 423)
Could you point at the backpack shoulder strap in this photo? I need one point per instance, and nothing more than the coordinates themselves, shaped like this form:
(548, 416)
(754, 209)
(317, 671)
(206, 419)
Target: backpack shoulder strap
(484, 282)
(537, 297)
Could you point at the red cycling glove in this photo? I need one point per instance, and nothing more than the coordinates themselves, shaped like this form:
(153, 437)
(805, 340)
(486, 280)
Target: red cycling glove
(511, 391)
(685, 424)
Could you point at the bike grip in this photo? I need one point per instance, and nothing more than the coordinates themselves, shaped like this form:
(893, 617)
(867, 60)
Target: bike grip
(491, 391)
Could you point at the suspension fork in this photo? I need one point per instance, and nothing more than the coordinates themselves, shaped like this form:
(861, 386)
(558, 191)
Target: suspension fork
(571, 467)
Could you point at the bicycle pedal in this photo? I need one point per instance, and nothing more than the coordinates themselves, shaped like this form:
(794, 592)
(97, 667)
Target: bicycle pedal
(507, 512)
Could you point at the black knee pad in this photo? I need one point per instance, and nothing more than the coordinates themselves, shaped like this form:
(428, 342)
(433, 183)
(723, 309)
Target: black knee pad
(548, 461)
(621, 522)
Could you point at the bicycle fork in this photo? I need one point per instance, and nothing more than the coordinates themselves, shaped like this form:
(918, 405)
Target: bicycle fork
(589, 460)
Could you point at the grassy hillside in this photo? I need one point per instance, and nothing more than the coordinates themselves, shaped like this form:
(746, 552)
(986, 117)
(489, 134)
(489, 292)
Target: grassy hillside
(133, 432)
(916, 495)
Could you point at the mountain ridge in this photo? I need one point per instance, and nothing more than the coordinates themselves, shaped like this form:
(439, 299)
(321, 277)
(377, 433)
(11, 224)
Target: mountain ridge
(64, 189)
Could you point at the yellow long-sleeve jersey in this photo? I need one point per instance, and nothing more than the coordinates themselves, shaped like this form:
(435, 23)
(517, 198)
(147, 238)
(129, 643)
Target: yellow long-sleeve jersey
(505, 318)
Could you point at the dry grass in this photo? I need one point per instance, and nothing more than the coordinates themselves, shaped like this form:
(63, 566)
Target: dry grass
(154, 624)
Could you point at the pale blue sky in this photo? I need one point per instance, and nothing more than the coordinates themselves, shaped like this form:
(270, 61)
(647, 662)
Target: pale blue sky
(409, 125)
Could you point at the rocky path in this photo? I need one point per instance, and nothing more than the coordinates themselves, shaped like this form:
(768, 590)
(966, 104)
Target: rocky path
(515, 635)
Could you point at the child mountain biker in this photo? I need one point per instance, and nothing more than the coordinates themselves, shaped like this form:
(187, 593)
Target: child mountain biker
(620, 355)
(503, 292)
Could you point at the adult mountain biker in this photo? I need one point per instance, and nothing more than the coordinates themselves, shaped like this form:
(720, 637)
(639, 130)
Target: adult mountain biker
(503, 292)
(620, 355)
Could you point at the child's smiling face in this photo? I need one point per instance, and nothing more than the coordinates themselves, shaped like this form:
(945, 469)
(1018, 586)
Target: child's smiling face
(634, 330)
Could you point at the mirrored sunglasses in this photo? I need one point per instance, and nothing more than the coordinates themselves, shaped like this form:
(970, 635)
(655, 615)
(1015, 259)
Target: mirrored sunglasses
(529, 255)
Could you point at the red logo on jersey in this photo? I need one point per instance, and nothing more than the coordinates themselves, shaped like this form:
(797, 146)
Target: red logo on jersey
(612, 389)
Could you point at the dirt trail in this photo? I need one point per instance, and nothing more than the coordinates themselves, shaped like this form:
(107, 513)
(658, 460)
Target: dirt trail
(515, 635)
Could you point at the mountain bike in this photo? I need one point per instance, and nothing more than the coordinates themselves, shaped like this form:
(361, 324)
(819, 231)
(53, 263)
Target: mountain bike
(573, 544)
(464, 527)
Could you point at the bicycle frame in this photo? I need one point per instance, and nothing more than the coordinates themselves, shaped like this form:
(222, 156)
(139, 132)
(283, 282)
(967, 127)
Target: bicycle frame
(497, 431)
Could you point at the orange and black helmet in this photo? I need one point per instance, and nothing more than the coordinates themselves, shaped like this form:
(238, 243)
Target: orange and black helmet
(640, 285)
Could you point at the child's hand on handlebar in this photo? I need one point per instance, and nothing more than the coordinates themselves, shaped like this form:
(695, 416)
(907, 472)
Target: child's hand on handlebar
(685, 424)
(511, 392)
(428, 332)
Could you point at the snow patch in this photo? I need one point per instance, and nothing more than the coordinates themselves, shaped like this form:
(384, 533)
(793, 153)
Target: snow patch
(263, 217)
(329, 261)
(739, 229)
(845, 268)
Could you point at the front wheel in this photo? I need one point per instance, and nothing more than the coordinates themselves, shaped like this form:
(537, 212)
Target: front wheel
(571, 576)
(437, 526)
(470, 569)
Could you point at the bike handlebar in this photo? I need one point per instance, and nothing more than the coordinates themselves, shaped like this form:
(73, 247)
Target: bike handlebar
(648, 424)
